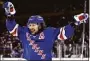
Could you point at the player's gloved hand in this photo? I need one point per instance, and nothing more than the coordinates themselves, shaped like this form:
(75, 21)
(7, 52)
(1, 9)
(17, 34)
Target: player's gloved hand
(81, 18)
(9, 9)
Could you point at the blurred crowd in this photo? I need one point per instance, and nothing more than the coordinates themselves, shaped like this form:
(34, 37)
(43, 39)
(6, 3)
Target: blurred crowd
(10, 46)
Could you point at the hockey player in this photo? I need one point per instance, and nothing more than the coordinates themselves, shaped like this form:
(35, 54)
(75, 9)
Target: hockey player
(37, 41)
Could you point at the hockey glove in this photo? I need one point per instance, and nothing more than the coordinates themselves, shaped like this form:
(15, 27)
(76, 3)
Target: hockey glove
(9, 9)
(81, 18)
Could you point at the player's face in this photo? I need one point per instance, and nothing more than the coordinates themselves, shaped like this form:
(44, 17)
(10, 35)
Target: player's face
(34, 28)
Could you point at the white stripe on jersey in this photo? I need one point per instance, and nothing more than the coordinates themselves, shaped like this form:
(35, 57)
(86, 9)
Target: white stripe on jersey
(14, 32)
(62, 35)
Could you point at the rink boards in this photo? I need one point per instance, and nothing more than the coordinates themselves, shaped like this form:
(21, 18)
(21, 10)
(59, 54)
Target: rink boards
(53, 59)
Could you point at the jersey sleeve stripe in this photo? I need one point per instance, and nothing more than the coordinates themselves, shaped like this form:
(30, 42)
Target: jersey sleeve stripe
(14, 32)
(62, 35)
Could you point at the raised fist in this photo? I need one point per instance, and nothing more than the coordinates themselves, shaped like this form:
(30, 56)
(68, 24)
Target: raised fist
(81, 18)
(9, 8)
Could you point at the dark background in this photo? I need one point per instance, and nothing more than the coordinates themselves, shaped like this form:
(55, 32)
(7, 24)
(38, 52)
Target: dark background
(56, 13)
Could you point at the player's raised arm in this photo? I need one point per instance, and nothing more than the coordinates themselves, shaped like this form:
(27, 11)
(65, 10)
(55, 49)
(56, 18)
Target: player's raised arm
(10, 21)
(68, 30)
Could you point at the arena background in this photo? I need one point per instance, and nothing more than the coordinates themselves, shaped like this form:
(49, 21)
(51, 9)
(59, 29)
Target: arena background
(56, 13)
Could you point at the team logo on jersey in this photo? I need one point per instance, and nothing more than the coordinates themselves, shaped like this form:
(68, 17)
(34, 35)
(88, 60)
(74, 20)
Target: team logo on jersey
(35, 46)
(41, 36)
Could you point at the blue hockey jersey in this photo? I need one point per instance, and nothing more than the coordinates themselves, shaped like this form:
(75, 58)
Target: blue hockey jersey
(38, 47)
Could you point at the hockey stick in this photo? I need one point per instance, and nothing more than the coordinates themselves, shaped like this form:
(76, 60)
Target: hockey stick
(83, 33)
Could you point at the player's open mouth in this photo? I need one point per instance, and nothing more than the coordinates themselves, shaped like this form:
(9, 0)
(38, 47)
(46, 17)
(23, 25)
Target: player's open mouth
(32, 30)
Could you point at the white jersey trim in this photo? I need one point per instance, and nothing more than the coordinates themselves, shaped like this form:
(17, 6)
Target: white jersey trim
(62, 32)
(15, 29)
